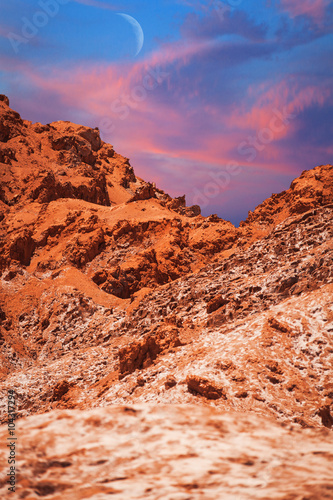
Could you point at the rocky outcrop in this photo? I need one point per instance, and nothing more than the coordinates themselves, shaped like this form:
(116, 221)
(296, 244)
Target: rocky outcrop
(206, 388)
(11, 126)
(311, 190)
(142, 353)
(215, 303)
(60, 390)
(326, 417)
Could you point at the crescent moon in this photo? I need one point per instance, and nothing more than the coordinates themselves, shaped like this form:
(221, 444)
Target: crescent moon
(140, 38)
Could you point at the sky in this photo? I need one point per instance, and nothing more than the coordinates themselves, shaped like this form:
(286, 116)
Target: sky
(224, 101)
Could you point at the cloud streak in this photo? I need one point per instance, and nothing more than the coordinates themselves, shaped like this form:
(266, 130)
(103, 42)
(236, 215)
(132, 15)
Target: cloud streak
(311, 8)
(99, 5)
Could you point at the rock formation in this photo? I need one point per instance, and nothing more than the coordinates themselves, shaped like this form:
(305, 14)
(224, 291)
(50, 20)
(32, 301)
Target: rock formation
(116, 297)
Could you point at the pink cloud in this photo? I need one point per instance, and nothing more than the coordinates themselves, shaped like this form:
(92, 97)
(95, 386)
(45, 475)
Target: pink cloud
(284, 97)
(312, 8)
(95, 87)
(98, 4)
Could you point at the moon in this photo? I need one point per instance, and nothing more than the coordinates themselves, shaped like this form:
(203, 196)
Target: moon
(140, 38)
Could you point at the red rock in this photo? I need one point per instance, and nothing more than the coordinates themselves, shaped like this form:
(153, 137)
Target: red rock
(140, 354)
(170, 382)
(60, 390)
(206, 388)
(216, 303)
(326, 417)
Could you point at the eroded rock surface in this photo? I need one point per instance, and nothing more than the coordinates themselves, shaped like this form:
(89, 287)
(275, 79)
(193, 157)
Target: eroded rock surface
(173, 452)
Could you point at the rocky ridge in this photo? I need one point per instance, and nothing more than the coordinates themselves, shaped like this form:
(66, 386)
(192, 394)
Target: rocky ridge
(114, 293)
